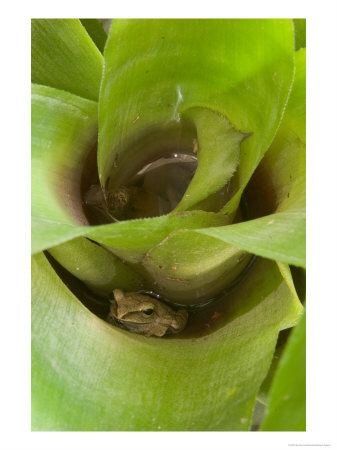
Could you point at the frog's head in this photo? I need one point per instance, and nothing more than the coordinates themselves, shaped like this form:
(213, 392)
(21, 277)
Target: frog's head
(147, 315)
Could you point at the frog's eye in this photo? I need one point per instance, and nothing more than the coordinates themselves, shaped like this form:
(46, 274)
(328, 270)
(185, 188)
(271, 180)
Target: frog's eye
(148, 311)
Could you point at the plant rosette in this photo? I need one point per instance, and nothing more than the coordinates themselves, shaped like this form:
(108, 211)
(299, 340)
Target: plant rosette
(226, 98)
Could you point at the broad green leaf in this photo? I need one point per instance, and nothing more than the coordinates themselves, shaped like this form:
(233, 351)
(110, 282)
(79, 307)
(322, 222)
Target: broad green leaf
(281, 174)
(241, 69)
(286, 407)
(96, 32)
(189, 268)
(64, 129)
(282, 170)
(280, 236)
(218, 154)
(197, 264)
(65, 57)
(47, 233)
(98, 268)
(88, 375)
(280, 178)
(124, 237)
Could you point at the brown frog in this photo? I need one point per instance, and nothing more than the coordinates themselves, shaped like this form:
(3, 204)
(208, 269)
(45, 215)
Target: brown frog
(145, 315)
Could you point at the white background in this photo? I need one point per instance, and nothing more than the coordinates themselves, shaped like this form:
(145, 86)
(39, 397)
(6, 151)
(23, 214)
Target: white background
(321, 228)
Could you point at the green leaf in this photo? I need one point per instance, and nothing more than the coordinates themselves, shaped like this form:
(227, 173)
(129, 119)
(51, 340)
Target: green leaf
(46, 234)
(241, 69)
(286, 407)
(88, 375)
(281, 174)
(64, 130)
(65, 57)
(218, 154)
(280, 236)
(193, 265)
(96, 32)
(98, 268)
(189, 268)
(123, 238)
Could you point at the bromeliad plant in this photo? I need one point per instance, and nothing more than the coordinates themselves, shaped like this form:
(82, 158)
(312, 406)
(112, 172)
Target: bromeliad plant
(229, 94)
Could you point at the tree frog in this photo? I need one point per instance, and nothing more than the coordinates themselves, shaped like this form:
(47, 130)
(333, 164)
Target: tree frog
(145, 315)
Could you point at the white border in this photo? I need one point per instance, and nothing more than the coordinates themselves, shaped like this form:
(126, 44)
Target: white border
(321, 230)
